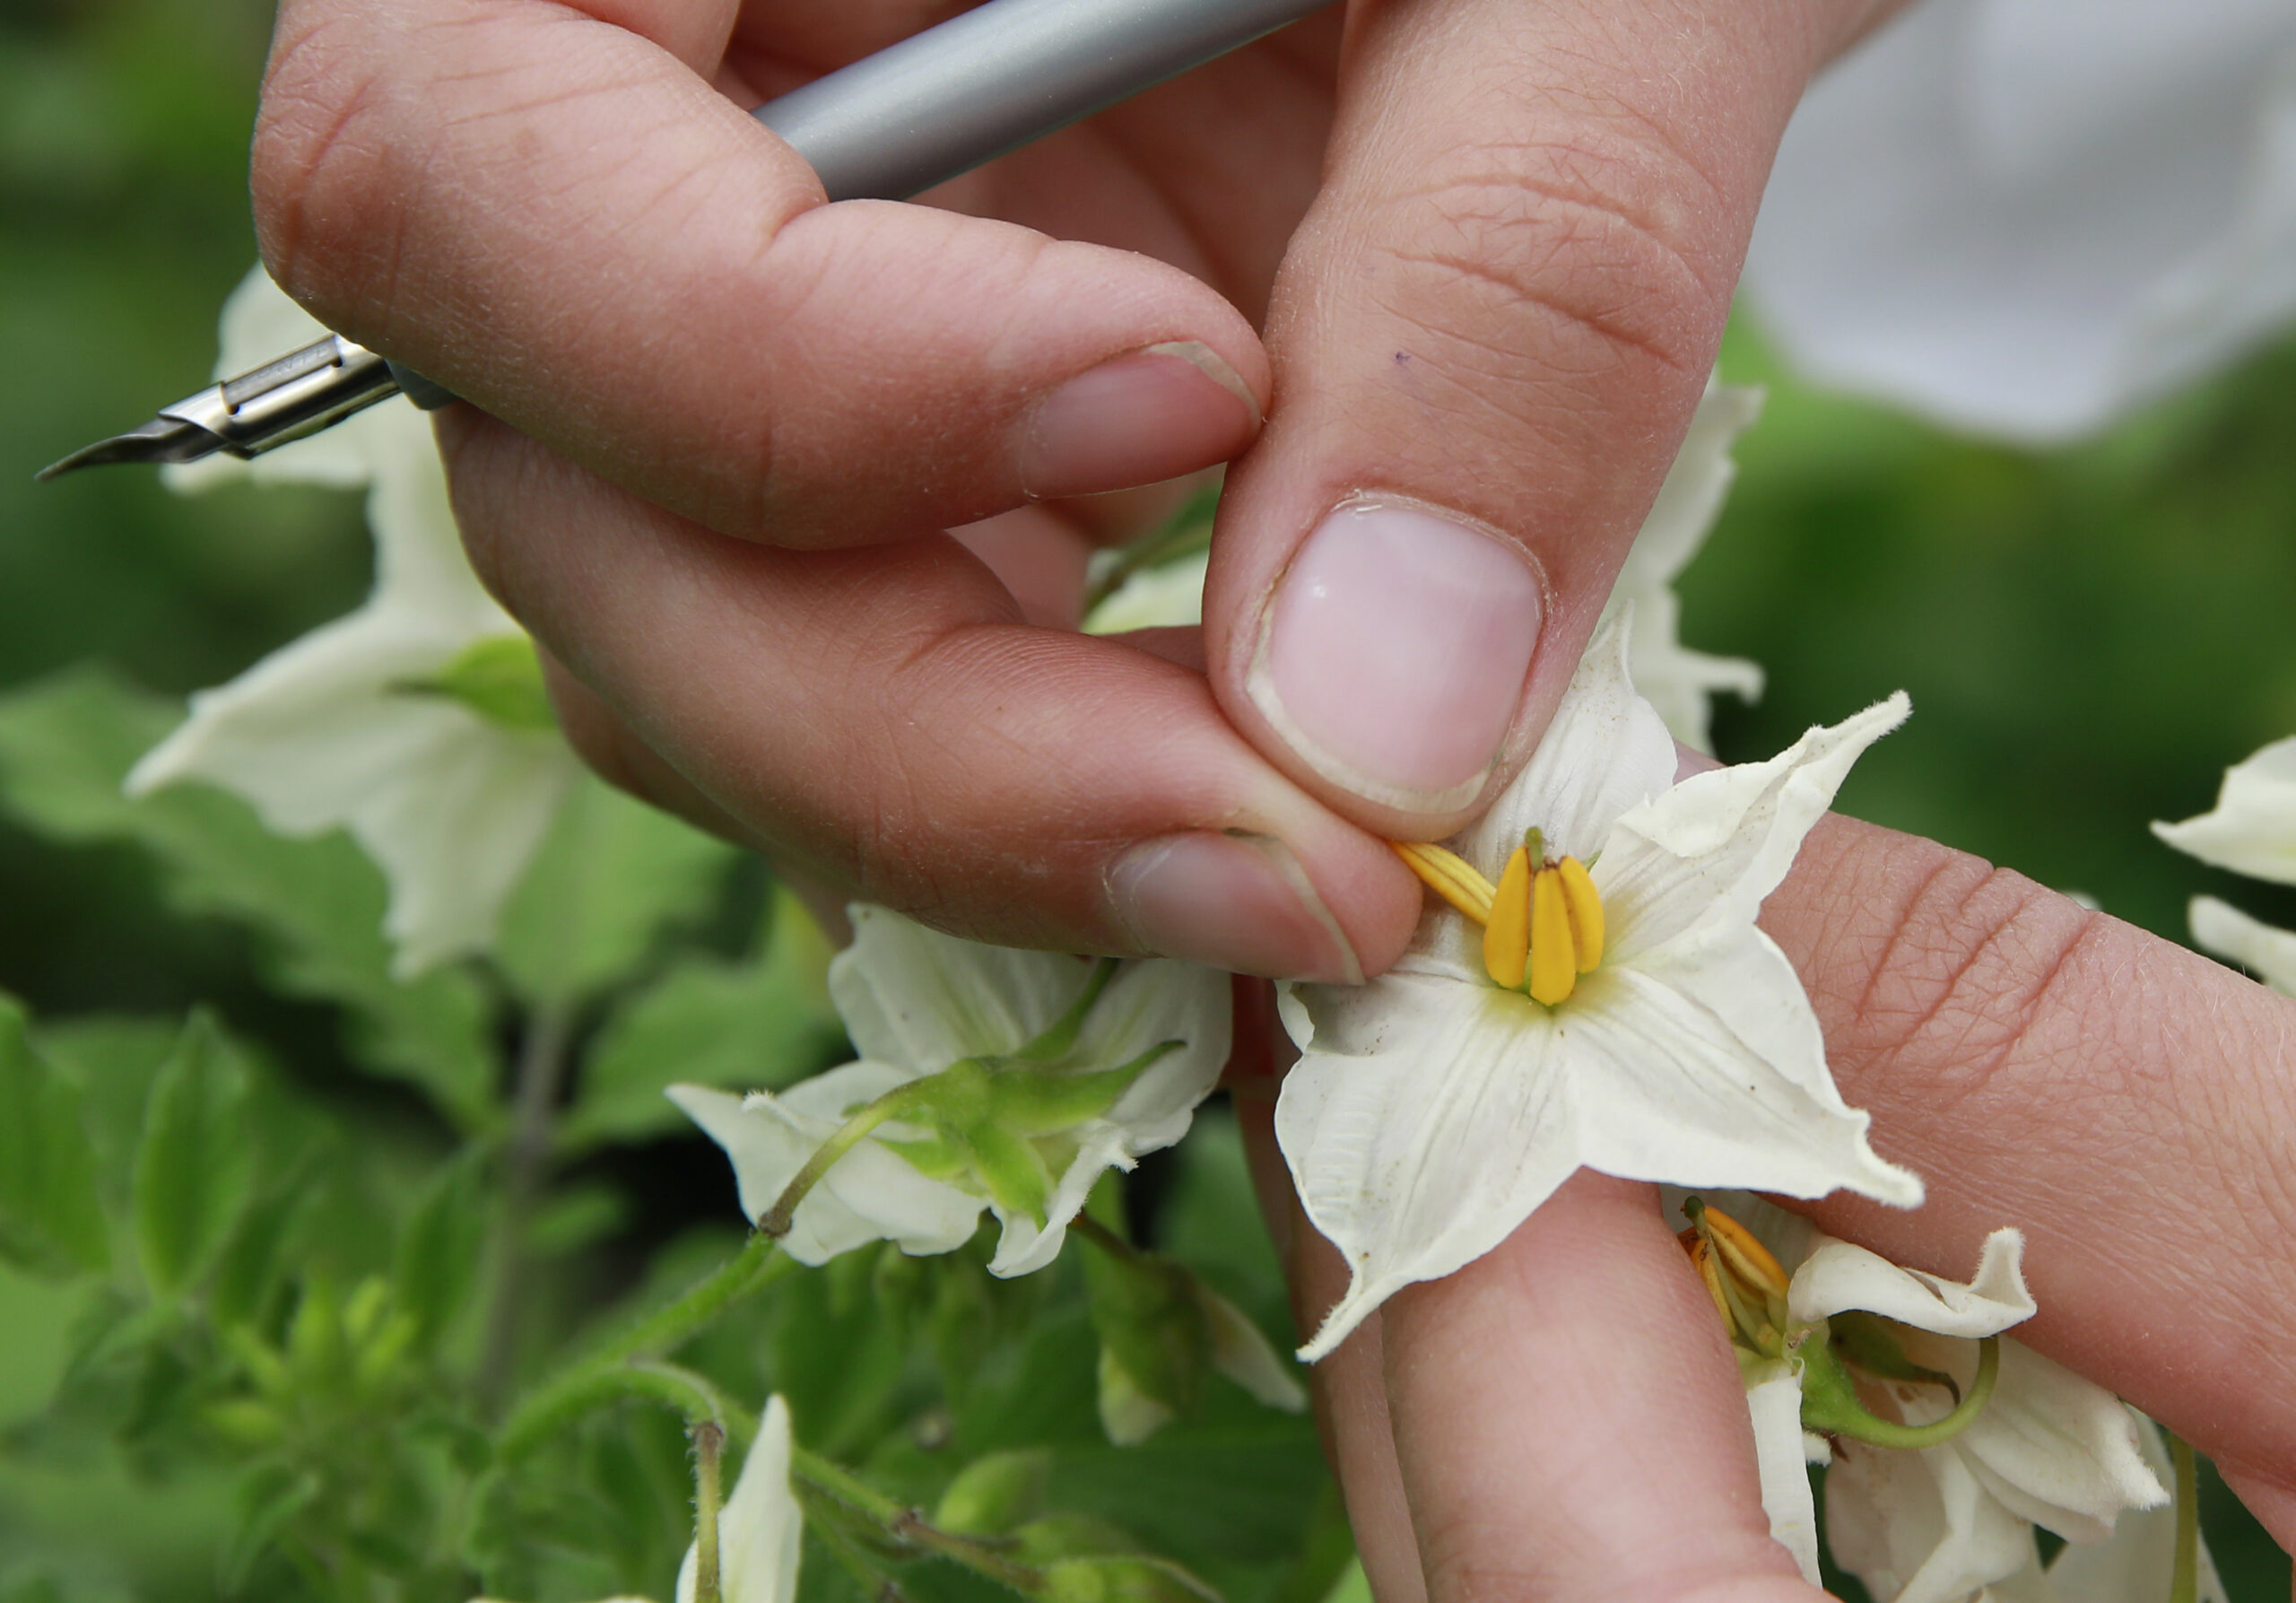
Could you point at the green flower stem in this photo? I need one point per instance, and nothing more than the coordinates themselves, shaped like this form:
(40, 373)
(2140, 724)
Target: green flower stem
(688, 1394)
(905, 1526)
(2184, 1579)
(545, 1055)
(708, 1442)
(1829, 1404)
(1105, 1239)
(880, 1587)
(1059, 1036)
(775, 1221)
(622, 1367)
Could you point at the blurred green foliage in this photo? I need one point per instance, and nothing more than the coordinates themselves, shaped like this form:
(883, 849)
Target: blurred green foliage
(2090, 636)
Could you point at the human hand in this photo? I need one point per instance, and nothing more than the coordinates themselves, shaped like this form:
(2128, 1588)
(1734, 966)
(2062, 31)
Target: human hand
(733, 422)
(1563, 1417)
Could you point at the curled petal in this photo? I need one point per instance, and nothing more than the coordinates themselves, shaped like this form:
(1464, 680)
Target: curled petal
(1837, 1276)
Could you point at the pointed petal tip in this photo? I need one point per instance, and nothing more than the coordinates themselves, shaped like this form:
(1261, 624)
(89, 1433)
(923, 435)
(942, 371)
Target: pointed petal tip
(1358, 1304)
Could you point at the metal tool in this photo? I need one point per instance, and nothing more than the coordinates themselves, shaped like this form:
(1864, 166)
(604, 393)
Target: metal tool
(939, 103)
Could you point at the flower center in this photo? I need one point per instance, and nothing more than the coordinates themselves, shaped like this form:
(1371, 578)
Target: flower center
(1541, 923)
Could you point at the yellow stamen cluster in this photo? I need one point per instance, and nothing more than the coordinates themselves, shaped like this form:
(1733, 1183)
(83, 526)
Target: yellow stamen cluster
(1541, 923)
(1747, 1283)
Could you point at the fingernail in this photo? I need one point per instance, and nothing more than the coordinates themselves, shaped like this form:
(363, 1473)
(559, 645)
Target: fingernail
(1391, 656)
(1146, 415)
(1238, 902)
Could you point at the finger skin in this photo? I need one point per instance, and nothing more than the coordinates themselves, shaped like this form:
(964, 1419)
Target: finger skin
(1502, 309)
(886, 719)
(2124, 1101)
(1562, 1418)
(564, 221)
(1568, 1421)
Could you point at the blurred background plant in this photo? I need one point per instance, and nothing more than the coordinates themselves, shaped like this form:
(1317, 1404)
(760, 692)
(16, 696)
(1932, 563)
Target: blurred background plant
(222, 1375)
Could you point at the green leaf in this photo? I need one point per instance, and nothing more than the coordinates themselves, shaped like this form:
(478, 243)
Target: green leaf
(499, 679)
(266, 1497)
(51, 1218)
(112, 1058)
(248, 1270)
(194, 1167)
(750, 1026)
(612, 875)
(437, 1261)
(66, 743)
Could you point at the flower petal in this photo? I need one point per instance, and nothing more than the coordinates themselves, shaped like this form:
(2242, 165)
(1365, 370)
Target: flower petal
(1775, 1405)
(761, 1528)
(1168, 596)
(1241, 1351)
(1706, 851)
(870, 1194)
(1674, 680)
(1424, 1121)
(316, 737)
(1918, 1527)
(2050, 1447)
(1145, 1006)
(1838, 1276)
(2225, 931)
(2135, 1566)
(1605, 751)
(1026, 1246)
(1686, 1078)
(915, 997)
(2252, 829)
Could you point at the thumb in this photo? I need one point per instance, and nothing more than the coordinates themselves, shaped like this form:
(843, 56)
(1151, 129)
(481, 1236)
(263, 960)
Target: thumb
(1490, 336)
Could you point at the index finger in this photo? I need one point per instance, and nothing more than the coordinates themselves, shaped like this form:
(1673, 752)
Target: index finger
(549, 209)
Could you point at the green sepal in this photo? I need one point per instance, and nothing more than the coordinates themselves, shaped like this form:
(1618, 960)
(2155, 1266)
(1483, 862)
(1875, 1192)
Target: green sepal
(1831, 1406)
(1152, 1330)
(1870, 1342)
(995, 1493)
(499, 678)
(1131, 1578)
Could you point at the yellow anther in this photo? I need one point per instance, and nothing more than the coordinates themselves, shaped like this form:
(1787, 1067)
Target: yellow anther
(1543, 921)
(1702, 1255)
(1554, 963)
(1585, 905)
(1745, 1281)
(1749, 1262)
(1449, 875)
(1506, 935)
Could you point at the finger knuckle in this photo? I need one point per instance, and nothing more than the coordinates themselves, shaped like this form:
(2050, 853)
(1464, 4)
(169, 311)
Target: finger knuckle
(324, 175)
(1977, 969)
(1574, 251)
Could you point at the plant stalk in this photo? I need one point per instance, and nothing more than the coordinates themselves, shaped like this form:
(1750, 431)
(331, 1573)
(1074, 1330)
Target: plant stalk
(545, 1055)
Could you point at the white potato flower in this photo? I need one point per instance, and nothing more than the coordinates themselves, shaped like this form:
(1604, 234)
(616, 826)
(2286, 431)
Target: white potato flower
(989, 1077)
(418, 722)
(2252, 830)
(1608, 1003)
(1850, 1341)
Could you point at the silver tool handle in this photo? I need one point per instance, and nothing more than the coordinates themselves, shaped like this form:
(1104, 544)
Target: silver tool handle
(991, 80)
